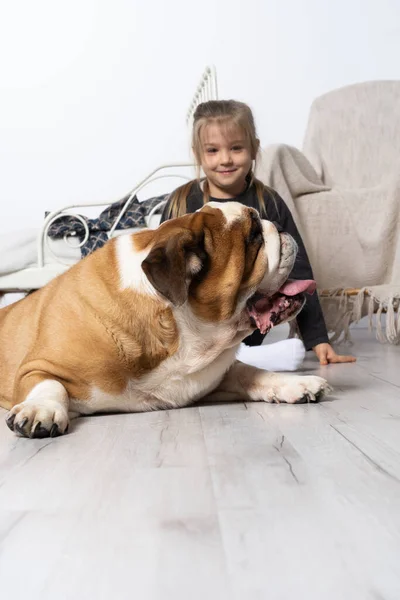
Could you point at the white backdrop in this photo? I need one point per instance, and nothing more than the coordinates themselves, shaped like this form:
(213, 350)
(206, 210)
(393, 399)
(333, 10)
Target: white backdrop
(93, 93)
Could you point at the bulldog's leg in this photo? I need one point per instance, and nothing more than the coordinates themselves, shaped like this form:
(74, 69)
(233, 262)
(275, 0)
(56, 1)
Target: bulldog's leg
(40, 409)
(243, 382)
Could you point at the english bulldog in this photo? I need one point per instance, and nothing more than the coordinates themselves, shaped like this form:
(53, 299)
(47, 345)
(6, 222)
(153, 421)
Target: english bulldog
(153, 321)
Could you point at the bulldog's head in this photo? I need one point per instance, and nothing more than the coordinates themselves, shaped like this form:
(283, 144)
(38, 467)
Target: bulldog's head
(228, 265)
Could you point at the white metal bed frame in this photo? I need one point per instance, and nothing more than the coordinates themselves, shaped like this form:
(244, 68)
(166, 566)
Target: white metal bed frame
(33, 278)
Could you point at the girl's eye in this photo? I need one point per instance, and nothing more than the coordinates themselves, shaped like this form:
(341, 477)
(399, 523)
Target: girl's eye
(211, 150)
(237, 148)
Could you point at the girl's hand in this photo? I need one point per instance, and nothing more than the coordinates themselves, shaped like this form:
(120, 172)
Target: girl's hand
(326, 354)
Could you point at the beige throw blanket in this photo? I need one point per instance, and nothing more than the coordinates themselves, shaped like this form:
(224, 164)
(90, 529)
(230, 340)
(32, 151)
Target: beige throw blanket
(352, 238)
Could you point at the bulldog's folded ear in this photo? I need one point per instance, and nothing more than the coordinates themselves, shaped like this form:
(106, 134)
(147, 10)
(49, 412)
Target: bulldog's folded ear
(170, 266)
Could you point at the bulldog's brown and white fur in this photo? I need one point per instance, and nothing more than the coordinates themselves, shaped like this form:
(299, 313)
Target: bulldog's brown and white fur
(150, 321)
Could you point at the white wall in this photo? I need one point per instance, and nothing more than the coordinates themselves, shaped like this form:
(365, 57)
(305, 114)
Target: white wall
(90, 100)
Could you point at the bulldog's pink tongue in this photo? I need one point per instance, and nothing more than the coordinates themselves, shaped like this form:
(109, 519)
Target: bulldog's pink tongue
(294, 287)
(269, 311)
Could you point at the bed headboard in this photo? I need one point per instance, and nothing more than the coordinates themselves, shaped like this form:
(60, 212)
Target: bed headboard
(206, 90)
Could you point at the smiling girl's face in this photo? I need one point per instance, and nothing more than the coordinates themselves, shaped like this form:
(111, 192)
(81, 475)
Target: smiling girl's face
(225, 159)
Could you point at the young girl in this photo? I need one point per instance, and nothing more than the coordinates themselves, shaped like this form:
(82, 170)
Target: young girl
(225, 145)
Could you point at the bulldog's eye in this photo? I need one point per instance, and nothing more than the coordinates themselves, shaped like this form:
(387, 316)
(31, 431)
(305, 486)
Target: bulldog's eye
(256, 232)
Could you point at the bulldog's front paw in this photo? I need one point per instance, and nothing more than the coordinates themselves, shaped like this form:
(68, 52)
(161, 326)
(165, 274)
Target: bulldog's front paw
(299, 389)
(36, 419)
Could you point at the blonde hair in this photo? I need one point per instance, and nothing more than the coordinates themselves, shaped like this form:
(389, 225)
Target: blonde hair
(222, 112)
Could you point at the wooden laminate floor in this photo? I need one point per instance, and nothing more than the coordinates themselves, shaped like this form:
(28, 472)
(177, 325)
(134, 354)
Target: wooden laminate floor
(227, 501)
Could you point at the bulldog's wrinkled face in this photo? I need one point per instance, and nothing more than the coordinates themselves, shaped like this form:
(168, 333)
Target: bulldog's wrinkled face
(227, 264)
